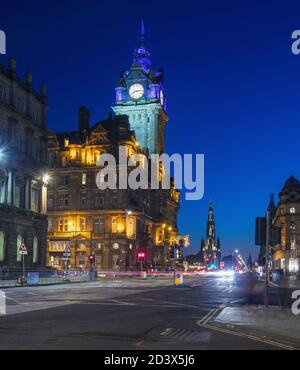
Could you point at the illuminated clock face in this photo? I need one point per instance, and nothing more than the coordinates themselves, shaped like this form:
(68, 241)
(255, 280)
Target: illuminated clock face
(161, 97)
(136, 91)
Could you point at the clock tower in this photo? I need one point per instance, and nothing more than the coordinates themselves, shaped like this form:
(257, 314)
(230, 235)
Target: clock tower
(140, 96)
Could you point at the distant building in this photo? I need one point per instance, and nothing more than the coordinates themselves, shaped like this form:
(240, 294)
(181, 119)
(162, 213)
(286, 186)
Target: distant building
(287, 218)
(210, 247)
(23, 165)
(261, 232)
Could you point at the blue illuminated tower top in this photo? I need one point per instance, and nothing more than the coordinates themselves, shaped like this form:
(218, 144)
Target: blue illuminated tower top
(140, 95)
(141, 55)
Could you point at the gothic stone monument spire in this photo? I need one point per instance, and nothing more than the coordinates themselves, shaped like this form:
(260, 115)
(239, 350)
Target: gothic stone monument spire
(210, 247)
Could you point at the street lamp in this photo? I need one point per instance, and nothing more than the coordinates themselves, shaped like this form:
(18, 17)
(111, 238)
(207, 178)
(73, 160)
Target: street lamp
(46, 177)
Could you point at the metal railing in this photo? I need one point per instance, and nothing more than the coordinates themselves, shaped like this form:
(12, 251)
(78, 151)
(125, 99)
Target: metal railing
(13, 279)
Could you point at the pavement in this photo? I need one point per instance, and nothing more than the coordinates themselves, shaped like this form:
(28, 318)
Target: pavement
(139, 315)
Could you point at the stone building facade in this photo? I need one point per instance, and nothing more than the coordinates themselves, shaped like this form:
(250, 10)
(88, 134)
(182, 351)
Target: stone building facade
(113, 225)
(23, 166)
(286, 253)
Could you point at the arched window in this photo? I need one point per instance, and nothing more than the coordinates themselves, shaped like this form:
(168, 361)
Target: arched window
(19, 242)
(2, 246)
(35, 254)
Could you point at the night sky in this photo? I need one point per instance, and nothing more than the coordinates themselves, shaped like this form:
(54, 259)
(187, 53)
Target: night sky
(232, 84)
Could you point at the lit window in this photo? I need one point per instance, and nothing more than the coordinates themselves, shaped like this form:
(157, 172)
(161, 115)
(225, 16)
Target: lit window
(66, 142)
(63, 224)
(83, 180)
(114, 228)
(293, 210)
(82, 224)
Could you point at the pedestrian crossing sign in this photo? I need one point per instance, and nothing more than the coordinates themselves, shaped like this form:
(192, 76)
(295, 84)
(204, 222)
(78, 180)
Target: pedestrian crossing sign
(23, 250)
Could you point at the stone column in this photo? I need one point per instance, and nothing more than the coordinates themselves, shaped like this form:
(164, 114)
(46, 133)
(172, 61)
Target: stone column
(44, 199)
(28, 188)
(11, 188)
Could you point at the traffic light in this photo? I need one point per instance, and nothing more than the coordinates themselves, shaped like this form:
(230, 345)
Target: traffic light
(141, 256)
(179, 254)
(92, 258)
(172, 252)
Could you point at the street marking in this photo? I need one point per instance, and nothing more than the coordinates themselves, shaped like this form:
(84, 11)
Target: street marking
(252, 337)
(204, 323)
(274, 285)
(210, 313)
(121, 302)
(238, 300)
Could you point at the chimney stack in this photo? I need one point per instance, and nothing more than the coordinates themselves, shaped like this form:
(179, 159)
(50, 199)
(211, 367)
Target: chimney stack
(28, 78)
(12, 65)
(84, 118)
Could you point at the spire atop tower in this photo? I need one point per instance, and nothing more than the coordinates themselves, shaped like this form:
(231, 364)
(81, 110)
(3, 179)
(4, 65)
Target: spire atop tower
(271, 206)
(141, 55)
(143, 30)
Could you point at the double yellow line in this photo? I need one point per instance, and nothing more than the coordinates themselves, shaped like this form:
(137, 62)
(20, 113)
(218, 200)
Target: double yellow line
(204, 322)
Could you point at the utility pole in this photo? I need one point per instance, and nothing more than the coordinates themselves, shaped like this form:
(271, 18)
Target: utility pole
(267, 259)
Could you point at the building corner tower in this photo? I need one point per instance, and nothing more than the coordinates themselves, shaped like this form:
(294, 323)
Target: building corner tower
(140, 96)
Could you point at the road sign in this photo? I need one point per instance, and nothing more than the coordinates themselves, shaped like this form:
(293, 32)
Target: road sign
(178, 279)
(23, 250)
(67, 252)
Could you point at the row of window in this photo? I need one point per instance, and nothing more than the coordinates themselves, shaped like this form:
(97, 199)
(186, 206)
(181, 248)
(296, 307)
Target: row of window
(35, 248)
(19, 103)
(19, 196)
(63, 200)
(66, 225)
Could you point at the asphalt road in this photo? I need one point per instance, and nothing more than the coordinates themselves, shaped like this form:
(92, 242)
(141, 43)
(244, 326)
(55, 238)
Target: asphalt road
(127, 316)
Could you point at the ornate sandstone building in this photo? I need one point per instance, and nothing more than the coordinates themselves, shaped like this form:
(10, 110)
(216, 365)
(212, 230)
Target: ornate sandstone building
(23, 165)
(286, 253)
(114, 225)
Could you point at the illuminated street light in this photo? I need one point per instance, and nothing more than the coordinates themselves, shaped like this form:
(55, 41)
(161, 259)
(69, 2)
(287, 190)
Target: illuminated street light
(46, 179)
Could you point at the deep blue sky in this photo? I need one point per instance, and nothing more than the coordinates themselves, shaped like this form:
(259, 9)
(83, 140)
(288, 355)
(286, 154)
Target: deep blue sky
(232, 83)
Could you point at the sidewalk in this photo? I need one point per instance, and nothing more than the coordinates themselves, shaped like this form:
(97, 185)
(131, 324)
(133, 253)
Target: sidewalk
(272, 321)
(288, 282)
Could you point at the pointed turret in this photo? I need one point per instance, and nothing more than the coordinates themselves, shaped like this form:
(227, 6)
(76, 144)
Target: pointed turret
(141, 55)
